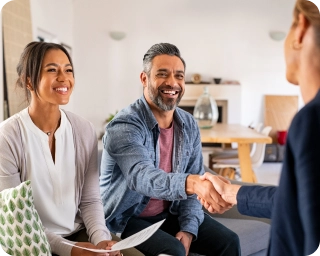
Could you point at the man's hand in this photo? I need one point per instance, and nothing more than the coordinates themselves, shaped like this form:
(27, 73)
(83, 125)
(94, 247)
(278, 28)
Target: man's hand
(185, 238)
(106, 245)
(81, 252)
(227, 191)
(207, 192)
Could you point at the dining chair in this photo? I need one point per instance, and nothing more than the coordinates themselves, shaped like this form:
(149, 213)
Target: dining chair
(223, 163)
(233, 152)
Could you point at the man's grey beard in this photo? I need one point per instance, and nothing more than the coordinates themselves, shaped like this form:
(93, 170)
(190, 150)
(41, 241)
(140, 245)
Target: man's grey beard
(157, 100)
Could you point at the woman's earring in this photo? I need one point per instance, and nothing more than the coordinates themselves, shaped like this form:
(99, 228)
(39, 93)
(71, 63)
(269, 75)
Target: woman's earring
(295, 45)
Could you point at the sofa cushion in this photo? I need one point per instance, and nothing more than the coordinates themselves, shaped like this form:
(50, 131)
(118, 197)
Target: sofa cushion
(253, 235)
(21, 230)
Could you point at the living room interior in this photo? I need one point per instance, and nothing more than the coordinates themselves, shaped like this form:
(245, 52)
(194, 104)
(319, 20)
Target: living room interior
(231, 40)
(107, 39)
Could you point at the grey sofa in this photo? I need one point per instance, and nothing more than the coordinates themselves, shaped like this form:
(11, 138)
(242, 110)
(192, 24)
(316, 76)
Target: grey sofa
(253, 232)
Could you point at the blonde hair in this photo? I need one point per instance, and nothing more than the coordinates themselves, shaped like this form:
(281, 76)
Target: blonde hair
(311, 12)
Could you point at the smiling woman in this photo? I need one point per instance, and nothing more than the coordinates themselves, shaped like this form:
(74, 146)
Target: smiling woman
(64, 180)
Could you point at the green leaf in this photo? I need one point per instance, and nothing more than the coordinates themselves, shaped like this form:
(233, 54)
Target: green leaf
(23, 191)
(9, 231)
(35, 225)
(43, 236)
(27, 227)
(2, 219)
(43, 248)
(10, 242)
(18, 242)
(36, 238)
(10, 219)
(30, 193)
(12, 206)
(28, 214)
(18, 230)
(7, 196)
(2, 242)
(2, 231)
(27, 240)
(28, 203)
(36, 216)
(9, 251)
(17, 253)
(26, 252)
(35, 251)
(20, 204)
(19, 217)
(14, 193)
(5, 208)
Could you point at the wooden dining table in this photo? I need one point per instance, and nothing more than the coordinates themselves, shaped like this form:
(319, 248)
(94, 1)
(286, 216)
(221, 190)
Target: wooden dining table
(243, 136)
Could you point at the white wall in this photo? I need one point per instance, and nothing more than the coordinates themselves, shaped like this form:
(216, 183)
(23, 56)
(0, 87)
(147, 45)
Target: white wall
(55, 18)
(1, 71)
(227, 39)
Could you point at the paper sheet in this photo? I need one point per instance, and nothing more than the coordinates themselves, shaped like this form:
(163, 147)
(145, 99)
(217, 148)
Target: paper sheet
(130, 241)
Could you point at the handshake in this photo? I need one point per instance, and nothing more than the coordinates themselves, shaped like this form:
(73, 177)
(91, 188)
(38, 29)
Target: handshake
(215, 192)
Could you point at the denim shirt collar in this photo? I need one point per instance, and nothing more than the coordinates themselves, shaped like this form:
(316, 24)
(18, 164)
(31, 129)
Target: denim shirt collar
(151, 120)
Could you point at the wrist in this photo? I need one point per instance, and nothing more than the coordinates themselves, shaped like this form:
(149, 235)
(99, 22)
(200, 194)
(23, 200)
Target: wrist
(191, 182)
(230, 192)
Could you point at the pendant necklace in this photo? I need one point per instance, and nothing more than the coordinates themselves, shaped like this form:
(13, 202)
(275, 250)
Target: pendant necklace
(49, 133)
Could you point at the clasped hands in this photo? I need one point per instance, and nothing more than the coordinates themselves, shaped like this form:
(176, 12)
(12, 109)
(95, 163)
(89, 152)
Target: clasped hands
(215, 192)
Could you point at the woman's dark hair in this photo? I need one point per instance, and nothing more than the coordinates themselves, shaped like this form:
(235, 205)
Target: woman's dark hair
(311, 12)
(159, 49)
(29, 66)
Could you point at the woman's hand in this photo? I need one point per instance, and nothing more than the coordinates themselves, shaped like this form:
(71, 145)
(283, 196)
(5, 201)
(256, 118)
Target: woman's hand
(106, 245)
(82, 252)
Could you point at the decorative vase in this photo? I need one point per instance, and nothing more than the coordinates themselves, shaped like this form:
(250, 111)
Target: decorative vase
(206, 110)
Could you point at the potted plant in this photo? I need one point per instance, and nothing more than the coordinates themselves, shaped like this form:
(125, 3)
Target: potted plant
(105, 123)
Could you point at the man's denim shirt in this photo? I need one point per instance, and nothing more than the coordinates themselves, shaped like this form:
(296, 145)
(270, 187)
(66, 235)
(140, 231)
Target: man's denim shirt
(130, 173)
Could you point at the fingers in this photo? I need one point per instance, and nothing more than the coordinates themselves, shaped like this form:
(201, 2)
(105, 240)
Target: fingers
(214, 178)
(206, 205)
(209, 191)
(213, 198)
(225, 180)
(210, 198)
(185, 238)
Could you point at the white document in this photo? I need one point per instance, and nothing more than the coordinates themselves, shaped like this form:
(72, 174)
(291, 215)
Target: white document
(130, 241)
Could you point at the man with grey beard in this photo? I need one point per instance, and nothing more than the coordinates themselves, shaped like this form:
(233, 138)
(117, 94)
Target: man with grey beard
(150, 168)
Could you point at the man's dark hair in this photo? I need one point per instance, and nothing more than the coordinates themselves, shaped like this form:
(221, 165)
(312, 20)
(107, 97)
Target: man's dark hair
(160, 49)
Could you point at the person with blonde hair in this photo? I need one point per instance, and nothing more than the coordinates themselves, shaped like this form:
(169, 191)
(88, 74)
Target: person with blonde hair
(293, 206)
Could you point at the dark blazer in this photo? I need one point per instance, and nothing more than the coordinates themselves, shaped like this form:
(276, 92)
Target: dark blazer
(293, 206)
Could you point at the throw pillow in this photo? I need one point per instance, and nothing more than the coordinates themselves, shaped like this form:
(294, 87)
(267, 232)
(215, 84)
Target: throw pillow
(21, 230)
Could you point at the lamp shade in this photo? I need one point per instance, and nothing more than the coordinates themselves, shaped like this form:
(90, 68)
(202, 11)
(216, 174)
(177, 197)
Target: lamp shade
(117, 35)
(277, 35)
